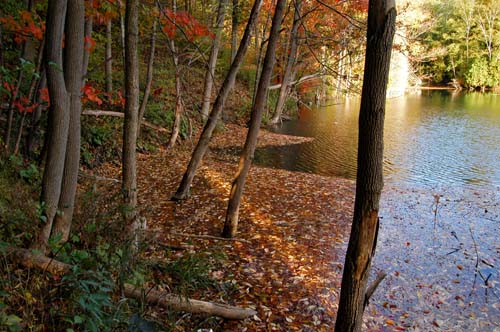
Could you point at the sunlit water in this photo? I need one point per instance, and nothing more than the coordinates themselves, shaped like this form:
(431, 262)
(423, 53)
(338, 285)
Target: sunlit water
(440, 210)
(434, 139)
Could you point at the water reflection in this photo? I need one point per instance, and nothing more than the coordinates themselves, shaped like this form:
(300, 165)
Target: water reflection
(436, 138)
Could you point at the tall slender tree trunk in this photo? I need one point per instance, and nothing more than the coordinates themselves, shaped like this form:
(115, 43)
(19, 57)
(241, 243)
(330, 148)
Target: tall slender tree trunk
(88, 28)
(369, 179)
(149, 78)
(34, 129)
(287, 75)
(231, 222)
(74, 62)
(202, 145)
(176, 126)
(129, 167)
(212, 61)
(235, 23)
(35, 81)
(58, 118)
(122, 29)
(108, 66)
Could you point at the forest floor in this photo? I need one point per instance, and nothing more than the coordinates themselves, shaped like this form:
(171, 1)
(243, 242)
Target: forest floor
(443, 269)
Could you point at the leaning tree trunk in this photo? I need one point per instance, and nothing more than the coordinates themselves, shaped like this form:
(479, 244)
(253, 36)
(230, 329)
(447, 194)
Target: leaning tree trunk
(202, 145)
(176, 126)
(58, 118)
(235, 22)
(129, 167)
(231, 222)
(287, 75)
(149, 78)
(108, 65)
(212, 61)
(369, 180)
(74, 62)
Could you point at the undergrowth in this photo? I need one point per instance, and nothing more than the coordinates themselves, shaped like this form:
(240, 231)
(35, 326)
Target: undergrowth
(89, 297)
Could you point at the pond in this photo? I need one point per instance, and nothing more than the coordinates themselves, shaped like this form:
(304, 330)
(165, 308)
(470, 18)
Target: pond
(434, 139)
(440, 209)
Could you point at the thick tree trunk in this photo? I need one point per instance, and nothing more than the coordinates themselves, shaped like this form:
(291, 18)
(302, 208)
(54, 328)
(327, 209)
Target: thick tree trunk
(129, 167)
(369, 180)
(108, 65)
(235, 22)
(212, 61)
(73, 59)
(149, 78)
(202, 145)
(58, 118)
(287, 75)
(231, 222)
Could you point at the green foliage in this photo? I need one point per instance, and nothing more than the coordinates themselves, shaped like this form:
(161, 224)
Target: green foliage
(17, 200)
(455, 46)
(99, 141)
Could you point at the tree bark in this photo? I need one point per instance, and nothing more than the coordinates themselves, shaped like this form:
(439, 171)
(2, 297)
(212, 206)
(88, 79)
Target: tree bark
(74, 66)
(149, 78)
(108, 64)
(235, 22)
(88, 28)
(179, 107)
(58, 118)
(287, 75)
(212, 61)
(35, 82)
(369, 180)
(231, 222)
(202, 145)
(129, 167)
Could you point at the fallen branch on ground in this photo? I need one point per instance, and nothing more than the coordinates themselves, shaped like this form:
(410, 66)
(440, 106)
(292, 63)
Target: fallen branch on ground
(296, 82)
(30, 259)
(209, 237)
(121, 115)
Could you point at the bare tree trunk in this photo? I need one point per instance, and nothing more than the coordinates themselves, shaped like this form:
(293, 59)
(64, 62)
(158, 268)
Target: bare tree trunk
(37, 115)
(202, 145)
(231, 222)
(108, 66)
(234, 28)
(74, 58)
(122, 29)
(88, 28)
(212, 61)
(149, 79)
(179, 108)
(58, 119)
(369, 180)
(35, 81)
(178, 91)
(129, 167)
(13, 97)
(287, 75)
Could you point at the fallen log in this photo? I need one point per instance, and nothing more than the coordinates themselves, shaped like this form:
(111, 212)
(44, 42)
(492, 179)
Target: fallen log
(209, 237)
(121, 115)
(178, 303)
(171, 301)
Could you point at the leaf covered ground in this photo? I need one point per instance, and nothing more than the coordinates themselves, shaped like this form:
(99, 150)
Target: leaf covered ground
(441, 255)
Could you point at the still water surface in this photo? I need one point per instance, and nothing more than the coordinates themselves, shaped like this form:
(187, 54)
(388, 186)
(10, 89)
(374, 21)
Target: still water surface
(434, 139)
